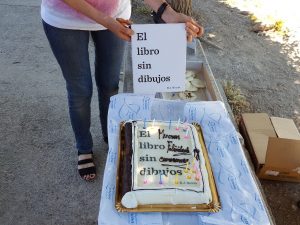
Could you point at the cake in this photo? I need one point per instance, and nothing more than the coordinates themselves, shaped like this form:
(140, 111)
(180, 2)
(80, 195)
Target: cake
(163, 163)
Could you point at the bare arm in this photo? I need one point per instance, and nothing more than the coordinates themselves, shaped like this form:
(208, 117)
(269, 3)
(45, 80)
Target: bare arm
(119, 27)
(170, 16)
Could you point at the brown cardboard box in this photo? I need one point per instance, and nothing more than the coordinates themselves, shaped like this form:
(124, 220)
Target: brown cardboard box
(274, 146)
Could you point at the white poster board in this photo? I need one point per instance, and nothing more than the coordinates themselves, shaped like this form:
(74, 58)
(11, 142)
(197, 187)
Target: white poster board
(158, 58)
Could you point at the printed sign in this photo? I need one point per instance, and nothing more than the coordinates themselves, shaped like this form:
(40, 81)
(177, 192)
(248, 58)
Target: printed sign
(159, 58)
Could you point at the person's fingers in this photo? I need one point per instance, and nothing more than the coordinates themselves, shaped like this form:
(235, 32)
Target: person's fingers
(197, 31)
(194, 22)
(121, 20)
(124, 23)
(192, 29)
(190, 32)
(193, 25)
(201, 31)
(189, 38)
(124, 36)
(127, 31)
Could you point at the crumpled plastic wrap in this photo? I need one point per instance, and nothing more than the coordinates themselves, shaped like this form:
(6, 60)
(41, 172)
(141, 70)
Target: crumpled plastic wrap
(240, 197)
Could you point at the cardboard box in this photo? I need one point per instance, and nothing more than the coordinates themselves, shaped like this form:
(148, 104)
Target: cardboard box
(274, 146)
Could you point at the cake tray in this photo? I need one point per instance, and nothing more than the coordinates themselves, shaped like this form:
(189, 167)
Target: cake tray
(214, 206)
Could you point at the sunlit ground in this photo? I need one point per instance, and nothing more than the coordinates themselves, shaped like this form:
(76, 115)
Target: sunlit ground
(288, 15)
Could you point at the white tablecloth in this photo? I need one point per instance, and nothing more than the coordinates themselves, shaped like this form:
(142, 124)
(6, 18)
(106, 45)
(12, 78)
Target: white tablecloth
(240, 197)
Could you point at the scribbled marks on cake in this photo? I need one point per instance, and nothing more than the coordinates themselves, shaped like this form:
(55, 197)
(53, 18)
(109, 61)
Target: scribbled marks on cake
(196, 154)
(146, 103)
(128, 111)
(132, 218)
(110, 192)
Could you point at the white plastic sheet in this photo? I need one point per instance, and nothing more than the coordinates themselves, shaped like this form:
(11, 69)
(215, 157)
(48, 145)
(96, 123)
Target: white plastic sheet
(240, 197)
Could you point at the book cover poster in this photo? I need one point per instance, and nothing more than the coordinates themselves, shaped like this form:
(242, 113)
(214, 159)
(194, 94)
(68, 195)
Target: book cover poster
(158, 58)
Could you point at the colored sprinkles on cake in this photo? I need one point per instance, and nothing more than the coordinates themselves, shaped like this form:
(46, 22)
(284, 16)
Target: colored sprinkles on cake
(164, 163)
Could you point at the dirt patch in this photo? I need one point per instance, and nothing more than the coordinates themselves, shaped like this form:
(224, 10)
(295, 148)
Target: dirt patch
(265, 72)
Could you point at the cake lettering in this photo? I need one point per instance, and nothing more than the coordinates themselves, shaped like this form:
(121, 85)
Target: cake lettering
(162, 135)
(147, 145)
(147, 159)
(164, 154)
(153, 171)
(173, 148)
(163, 159)
(144, 133)
(196, 154)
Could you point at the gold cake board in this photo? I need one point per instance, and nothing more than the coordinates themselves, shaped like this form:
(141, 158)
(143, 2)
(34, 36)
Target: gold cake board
(214, 206)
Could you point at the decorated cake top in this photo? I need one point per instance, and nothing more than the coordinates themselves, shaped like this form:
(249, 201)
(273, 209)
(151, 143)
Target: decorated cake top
(167, 155)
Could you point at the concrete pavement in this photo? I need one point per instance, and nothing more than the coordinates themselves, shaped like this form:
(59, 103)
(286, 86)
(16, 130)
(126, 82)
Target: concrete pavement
(39, 183)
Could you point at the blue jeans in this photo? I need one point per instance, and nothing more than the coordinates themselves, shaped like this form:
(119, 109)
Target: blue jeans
(70, 48)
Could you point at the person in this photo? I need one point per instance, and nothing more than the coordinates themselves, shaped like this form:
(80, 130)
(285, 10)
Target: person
(68, 25)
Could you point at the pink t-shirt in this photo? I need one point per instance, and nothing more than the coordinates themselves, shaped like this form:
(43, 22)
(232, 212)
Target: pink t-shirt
(58, 14)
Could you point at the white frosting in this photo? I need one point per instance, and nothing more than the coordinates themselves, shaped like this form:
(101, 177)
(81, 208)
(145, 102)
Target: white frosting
(129, 200)
(164, 168)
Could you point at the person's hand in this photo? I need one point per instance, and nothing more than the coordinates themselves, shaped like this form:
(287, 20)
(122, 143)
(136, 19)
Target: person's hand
(193, 29)
(120, 27)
